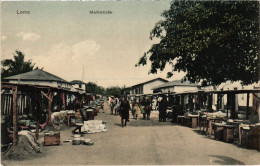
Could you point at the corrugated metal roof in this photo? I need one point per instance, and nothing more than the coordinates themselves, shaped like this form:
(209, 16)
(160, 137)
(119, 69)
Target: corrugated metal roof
(151, 81)
(37, 74)
(176, 83)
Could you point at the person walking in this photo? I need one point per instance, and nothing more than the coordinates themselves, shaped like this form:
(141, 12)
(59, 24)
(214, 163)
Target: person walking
(117, 106)
(148, 108)
(162, 109)
(142, 106)
(136, 109)
(112, 105)
(124, 109)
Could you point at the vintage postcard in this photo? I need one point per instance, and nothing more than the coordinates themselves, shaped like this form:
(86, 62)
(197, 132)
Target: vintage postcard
(138, 82)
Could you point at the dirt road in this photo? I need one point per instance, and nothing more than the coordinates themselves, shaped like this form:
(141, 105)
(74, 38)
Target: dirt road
(142, 142)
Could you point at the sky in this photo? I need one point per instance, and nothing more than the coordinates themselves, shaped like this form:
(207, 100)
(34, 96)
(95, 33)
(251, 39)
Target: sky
(69, 42)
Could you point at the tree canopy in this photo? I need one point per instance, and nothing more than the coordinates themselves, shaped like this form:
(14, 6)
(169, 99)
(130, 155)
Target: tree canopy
(92, 87)
(17, 66)
(212, 41)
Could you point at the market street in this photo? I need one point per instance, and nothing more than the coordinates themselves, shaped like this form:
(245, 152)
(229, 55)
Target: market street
(142, 142)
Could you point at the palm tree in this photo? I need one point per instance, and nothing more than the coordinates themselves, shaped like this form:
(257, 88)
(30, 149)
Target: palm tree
(17, 66)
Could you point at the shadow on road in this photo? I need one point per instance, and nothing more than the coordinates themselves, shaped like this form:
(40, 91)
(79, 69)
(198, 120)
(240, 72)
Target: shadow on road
(203, 134)
(224, 160)
(147, 123)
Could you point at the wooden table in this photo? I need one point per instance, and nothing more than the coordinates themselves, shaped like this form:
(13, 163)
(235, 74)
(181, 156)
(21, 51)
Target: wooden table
(194, 120)
(218, 131)
(246, 130)
(228, 134)
(203, 122)
(180, 117)
(69, 118)
(209, 125)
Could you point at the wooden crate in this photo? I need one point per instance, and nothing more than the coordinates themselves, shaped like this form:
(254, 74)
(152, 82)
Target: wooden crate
(218, 132)
(254, 138)
(52, 139)
(254, 143)
(228, 134)
(90, 115)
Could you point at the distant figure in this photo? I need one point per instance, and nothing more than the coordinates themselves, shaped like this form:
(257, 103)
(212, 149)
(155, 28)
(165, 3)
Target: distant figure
(135, 109)
(143, 103)
(117, 106)
(124, 111)
(148, 108)
(162, 109)
(112, 105)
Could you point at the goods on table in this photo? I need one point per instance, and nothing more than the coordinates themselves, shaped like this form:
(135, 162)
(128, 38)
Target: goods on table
(218, 114)
(93, 126)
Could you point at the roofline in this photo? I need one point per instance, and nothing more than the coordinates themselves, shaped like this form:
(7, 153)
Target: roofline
(175, 85)
(61, 79)
(149, 81)
(39, 80)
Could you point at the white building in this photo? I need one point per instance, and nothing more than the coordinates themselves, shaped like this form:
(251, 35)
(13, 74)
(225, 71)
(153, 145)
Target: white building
(79, 85)
(146, 87)
(176, 86)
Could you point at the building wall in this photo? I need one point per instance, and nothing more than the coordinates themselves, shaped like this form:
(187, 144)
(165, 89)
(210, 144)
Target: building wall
(136, 90)
(145, 88)
(148, 87)
(83, 86)
(184, 88)
(241, 99)
(178, 89)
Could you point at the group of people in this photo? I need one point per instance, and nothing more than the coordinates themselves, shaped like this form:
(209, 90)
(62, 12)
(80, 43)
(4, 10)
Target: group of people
(120, 107)
(144, 107)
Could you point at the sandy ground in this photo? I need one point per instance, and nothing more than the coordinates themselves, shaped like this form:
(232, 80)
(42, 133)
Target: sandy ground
(142, 142)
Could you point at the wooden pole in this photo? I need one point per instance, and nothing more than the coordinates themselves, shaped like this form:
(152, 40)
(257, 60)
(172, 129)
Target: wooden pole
(7, 105)
(37, 128)
(227, 104)
(210, 102)
(218, 98)
(15, 122)
(233, 106)
(65, 98)
(50, 109)
(247, 106)
(39, 104)
(58, 98)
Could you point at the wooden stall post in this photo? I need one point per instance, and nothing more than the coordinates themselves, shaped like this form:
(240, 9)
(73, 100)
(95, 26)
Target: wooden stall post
(247, 106)
(233, 106)
(50, 110)
(37, 129)
(210, 101)
(65, 98)
(182, 101)
(15, 121)
(218, 101)
(38, 117)
(228, 101)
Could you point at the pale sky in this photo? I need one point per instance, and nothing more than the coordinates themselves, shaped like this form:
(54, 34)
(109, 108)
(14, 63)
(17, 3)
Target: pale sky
(64, 38)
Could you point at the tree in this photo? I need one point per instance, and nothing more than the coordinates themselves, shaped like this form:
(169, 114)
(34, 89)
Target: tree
(92, 87)
(213, 41)
(17, 66)
(114, 91)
